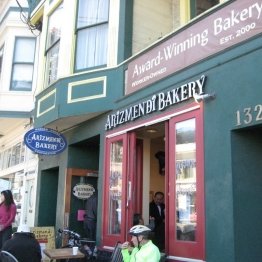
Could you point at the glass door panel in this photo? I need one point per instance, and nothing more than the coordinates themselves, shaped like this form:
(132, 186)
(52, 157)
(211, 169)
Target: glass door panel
(115, 187)
(120, 192)
(186, 186)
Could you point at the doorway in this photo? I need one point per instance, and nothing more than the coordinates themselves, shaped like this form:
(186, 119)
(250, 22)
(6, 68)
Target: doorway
(153, 164)
(247, 193)
(30, 195)
(153, 180)
(75, 205)
(47, 195)
(165, 156)
(132, 176)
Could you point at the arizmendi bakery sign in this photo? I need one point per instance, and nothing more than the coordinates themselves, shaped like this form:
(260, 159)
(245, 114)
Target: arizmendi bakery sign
(157, 102)
(45, 141)
(232, 24)
(83, 191)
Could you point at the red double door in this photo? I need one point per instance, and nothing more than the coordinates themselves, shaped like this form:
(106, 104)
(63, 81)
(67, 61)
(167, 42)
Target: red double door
(125, 187)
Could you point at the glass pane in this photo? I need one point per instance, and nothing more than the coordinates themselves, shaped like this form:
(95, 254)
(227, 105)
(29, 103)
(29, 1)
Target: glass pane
(185, 180)
(52, 63)
(92, 12)
(17, 153)
(9, 157)
(203, 5)
(92, 47)
(24, 50)
(22, 77)
(22, 153)
(115, 187)
(1, 58)
(54, 26)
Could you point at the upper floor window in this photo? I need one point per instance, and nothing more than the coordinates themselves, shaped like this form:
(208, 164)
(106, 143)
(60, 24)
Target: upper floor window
(14, 155)
(163, 18)
(200, 6)
(23, 64)
(92, 33)
(53, 44)
(1, 59)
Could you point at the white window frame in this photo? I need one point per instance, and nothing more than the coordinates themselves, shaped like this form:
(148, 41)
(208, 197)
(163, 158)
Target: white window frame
(53, 45)
(1, 59)
(23, 67)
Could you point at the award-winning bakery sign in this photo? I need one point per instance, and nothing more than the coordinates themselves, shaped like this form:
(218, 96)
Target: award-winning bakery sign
(232, 24)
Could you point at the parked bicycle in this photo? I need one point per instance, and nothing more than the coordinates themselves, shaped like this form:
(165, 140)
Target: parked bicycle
(85, 245)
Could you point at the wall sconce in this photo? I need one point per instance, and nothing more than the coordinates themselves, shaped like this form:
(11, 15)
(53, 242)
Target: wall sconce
(199, 98)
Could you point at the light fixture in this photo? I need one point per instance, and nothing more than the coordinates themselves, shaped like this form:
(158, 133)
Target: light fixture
(151, 130)
(199, 98)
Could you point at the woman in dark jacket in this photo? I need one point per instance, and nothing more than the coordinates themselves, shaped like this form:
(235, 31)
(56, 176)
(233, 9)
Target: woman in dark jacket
(23, 245)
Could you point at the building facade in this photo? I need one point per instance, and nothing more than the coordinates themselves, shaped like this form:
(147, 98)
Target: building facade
(154, 96)
(18, 166)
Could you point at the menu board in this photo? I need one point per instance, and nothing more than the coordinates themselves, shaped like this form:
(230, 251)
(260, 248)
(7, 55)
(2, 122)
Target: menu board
(45, 237)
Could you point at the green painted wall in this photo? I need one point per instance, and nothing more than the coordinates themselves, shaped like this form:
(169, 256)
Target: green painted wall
(57, 105)
(84, 155)
(247, 193)
(234, 77)
(125, 30)
(48, 194)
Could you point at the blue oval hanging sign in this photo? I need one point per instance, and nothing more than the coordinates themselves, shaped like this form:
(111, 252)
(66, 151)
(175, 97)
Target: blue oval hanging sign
(45, 141)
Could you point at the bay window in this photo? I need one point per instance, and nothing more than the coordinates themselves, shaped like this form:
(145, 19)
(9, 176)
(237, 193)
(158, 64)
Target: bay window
(91, 34)
(53, 44)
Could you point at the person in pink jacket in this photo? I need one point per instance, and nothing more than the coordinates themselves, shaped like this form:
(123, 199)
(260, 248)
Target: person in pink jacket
(7, 215)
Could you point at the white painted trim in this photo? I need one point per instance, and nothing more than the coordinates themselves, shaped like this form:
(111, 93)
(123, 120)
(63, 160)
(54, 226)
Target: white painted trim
(41, 100)
(109, 248)
(82, 82)
(186, 259)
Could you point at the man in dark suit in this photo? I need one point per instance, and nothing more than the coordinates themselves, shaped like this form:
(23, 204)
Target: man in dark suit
(91, 216)
(157, 211)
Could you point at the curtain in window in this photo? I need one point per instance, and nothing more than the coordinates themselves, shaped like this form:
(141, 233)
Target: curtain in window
(92, 12)
(92, 47)
(92, 34)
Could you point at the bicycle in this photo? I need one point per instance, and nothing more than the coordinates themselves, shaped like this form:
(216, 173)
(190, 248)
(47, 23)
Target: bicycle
(85, 245)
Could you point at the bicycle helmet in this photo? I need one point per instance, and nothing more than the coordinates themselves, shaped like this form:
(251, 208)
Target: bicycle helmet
(139, 230)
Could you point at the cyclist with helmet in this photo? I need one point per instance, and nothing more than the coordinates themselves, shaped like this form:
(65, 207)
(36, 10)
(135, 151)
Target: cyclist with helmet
(144, 250)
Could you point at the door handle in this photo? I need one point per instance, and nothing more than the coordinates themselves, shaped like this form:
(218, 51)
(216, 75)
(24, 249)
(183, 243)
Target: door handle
(129, 192)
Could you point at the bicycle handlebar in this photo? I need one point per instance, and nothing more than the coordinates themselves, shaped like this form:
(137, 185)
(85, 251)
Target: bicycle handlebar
(69, 232)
